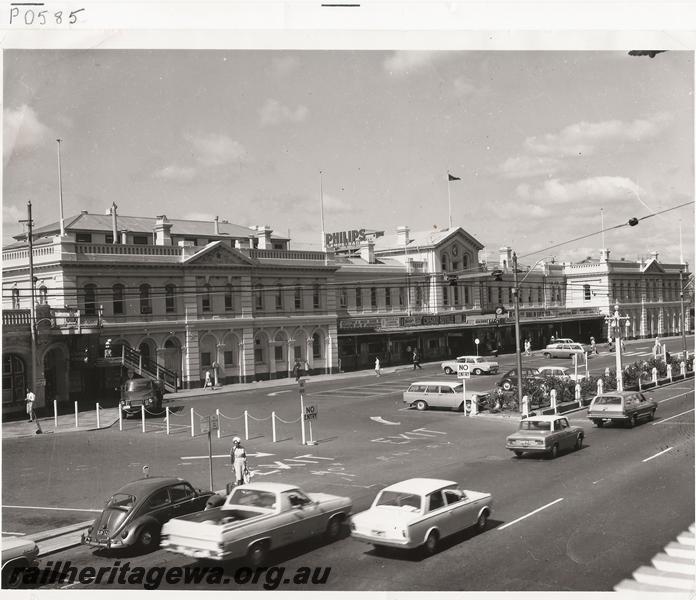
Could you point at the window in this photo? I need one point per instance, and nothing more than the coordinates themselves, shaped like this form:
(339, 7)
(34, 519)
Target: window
(90, 299)
(453, 496)
(343, 297)
(206, 359)
(15, 298)
(402, 296)
(140, 240)
(358, 298)
(419, 295)
(194, 241)
(587, 292)
(529, 296)
(228, 357)
(85, 238)
(467, 299)
(181, 492)
(205, 298)
(373, 297)
(159, 499)
(489, 291)
(118, 303)
(435, 501)
(258, 351)
(278, 352)
(443, 262)
(456, 295)
(229, 304)
(170, 298)
(387, 296)
(465, 262)
(13, 380)
(316, 296)
(43, 295)
(445, 389)
(445, 295)
(298, 297)
(258, 297)
(145, 300)
(109, 238)
(316, 345)
(279, 297)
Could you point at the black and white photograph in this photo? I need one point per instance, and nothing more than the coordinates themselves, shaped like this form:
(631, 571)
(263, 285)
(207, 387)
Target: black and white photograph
(348, 319)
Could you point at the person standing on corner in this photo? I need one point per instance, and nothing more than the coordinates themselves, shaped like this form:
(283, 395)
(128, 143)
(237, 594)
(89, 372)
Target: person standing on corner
(378, 370)
(297, 369)
(238, 460)
(208, 380)
(416, 360)
(31, 398)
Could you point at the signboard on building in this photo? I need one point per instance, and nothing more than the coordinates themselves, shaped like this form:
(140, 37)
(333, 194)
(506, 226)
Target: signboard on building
(387, 323)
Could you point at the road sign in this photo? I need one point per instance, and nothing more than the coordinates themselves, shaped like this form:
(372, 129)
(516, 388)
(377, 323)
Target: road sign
(311, 412)
(209, 423)
(463, 371)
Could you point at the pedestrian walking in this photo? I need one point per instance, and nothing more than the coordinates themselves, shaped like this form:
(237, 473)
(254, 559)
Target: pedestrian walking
(30, 399)
(107, 349)
(593, 345)
(657, 347)
(208, 380)
(553, 339)
(297, 369)
(416, 360)
(378, 370)
(238, 458)
(527, 348)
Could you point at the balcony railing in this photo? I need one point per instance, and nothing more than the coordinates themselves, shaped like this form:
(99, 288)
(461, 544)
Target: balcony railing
(16, 317)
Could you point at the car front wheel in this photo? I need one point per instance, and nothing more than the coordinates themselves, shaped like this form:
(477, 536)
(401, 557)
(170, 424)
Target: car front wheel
(554, 451)
(448, 371)
(651, 415)
(421, 405)
(547, 355)
(507, 386)
(257, 554)
(518, 453)
(482, 521)
(478, 371)
(599, 423)
(578, 443)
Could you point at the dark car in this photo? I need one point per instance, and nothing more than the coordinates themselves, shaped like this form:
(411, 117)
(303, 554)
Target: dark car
(509, 380)
(141, 392)
(134, 515)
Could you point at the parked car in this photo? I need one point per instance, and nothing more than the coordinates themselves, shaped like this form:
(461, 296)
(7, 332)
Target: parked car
(621, 407)
(141, 392)
(442, 394)
(509, 380)
(560, 372)
(421, 512)
(548, 434)
(256, 519)
(563, 341)
(564, 350)
(134, 515)
(18, 555)
(477, 365)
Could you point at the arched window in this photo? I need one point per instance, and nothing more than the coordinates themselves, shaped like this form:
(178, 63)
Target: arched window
(258, 296)
(229, 302)
(279, 297)
(15, 298)
(13, 379)
(43, 295)
(117, 299)
(145, 300)
(90, 299)
(465, 262)
(205, 298)
(316, 345)
(170, 298)
(358, 297)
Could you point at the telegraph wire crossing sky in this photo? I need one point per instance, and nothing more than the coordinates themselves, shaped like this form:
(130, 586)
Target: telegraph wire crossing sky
(528, 149)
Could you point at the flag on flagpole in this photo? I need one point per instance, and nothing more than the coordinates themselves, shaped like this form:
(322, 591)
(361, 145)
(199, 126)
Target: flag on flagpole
(451, 177)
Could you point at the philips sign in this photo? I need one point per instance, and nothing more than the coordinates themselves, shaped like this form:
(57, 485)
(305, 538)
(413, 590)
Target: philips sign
(345, 238)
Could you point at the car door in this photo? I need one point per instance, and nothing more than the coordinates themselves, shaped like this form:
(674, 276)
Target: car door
(461, 508)
(432, 395)
(184, 499)
(448, 398)
(438, 515)
(565, 435)
(306, 515)
(159, 506)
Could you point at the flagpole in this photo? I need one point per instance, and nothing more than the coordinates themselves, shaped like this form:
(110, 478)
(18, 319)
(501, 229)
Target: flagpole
(449, 200)
(60, 193)
(601, 210)
(321, 202)
(681, 249)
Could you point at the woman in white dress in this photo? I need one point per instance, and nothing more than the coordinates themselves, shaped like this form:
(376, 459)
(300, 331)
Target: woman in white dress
(239, 462)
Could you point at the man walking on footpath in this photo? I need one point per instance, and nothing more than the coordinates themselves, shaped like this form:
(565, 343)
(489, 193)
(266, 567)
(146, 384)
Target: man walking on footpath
(378, 369)
(31, 398)
(416, 360)
(297, 369)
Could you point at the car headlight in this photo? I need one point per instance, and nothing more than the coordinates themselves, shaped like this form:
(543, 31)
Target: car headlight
(124, 534)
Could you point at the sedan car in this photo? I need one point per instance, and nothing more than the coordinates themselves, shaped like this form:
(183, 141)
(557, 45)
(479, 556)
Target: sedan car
(509, 380)
(134, 515)
(442, 394)
(477, 365)
(548, 434)
(139, 392)
(18, 556)
(621, 407)
(560, 372)
(419, 513)
(564, 350)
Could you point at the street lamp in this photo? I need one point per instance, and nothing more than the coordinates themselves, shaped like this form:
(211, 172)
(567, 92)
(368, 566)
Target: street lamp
(681, 305)
(615, 321)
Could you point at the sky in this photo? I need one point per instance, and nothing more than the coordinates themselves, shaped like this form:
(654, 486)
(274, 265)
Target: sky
(544, 142)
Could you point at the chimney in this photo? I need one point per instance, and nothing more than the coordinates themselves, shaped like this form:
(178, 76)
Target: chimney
(603, 255)
(124, 236)
(242, 243)
(163, 235)
(264, 236)
(114, 223)
(402, 235)
(217, 225)
(505, 258)
(653, 255)
(367, 251)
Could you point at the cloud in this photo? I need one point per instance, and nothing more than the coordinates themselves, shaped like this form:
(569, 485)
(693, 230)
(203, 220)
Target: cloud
(198, 216)
(584, 137)
(464, 87)
(176, 173)
(284, 65)
(555, 191)
(403, 62)
(12, 214)
(335, 204)
(274, 113)
(22, 129)
(215, 149)
(529, 166)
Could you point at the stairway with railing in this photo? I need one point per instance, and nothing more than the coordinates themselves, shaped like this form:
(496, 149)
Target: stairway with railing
(145, 367)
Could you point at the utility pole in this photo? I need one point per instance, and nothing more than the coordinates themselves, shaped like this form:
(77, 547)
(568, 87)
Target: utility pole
(516, 292)
(615, 321)
(32, 308)
(681, 305)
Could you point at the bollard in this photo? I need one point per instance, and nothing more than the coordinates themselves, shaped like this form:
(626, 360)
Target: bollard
(98, 423)
(191, 421)
(669, 373)
(55, 414)
(682, 368)
(217, 414)
(166, 417)
(142, 416)
(577, 394)
(600, 386)
(246, 425)
(120, 417)
(654, 375)
(640, 382)
(607, 372)
(553, 401)
(525, 406)
(76, 425)
(274, 425)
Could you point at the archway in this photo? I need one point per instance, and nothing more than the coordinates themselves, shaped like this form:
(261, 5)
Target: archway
(171, 355)
(56, 373)
(14, 381)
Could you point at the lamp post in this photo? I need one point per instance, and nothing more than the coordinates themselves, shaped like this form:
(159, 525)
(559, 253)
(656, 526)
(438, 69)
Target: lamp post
(32, 306)
(681, 306)
(615, 321)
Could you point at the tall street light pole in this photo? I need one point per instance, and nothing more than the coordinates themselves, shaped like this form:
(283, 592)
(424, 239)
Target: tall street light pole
(615, 321)
(32, 308)
(516, 293)
(681, 305)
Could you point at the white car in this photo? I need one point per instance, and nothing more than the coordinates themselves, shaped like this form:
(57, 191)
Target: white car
(421, 512)
(560, 350)
(560, 372)
(18, 555)
(563, 341)
(477, 365)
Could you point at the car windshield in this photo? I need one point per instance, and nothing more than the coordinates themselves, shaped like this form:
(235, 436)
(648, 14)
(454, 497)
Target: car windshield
(388, 498)
(255, 498)
(607, 400)
(535, 425)
(137, 385)
(121, 502)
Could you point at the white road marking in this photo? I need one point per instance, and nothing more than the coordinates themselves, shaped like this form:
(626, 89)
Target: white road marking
(673, 397)
(672, 417)
(656, 455)
(280, 392)
(254, 454)
(384, 421)
(531, 513)
(12, 533)
(54, 508)
(594, 482)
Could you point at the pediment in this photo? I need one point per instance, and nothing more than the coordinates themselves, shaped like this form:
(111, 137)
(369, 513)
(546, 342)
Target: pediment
(219, 254)
(652, 266)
